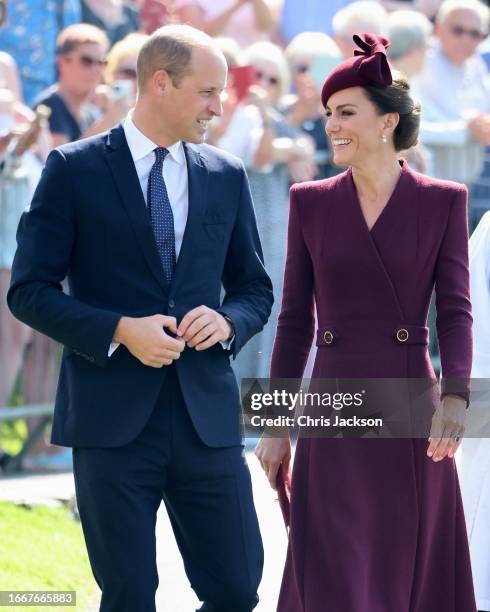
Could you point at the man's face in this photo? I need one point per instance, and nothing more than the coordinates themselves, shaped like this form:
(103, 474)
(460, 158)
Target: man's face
(460, 34)
(81, 69)
(187, 109)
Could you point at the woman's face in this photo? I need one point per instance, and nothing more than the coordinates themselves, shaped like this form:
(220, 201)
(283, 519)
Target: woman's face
(355, 128)
(269, 78)
(126, 69)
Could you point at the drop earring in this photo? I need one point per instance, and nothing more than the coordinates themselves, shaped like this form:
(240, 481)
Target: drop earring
(384, 138)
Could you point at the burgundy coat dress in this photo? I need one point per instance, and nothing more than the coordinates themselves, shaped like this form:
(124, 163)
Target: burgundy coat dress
(376, 525)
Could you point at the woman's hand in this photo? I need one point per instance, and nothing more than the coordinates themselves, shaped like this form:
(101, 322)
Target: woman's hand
(272, 452)
(448, 421)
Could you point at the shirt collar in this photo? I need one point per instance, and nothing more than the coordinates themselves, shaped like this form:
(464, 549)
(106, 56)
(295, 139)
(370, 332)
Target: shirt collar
(140, 145)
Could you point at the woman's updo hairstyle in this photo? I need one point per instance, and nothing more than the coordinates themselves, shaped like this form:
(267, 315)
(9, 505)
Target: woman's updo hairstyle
(397, 98)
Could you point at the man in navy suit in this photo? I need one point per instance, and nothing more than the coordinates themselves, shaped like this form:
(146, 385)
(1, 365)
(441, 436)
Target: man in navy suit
(147, 228)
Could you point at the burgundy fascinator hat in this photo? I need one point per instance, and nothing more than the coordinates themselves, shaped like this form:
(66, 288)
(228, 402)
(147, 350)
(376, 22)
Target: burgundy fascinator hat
(368, 66)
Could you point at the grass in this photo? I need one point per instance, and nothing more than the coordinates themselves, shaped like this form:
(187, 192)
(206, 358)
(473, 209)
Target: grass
(43, 549)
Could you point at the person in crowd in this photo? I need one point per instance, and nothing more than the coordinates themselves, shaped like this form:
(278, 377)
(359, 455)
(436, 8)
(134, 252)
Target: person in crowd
(410, 33)
(122, 59)
(474, 455)
(154, 14)
(120, 74)
(9, 76)
(303, 108)
(29, 35)
(361, 16)
(239, 129)
(428, 8)
(116, 17)
(81, 53)
(20, 170)
(480, 190)
(455, 93)
(246, 21)
(375, 521)
(282, 152)
(149, 223)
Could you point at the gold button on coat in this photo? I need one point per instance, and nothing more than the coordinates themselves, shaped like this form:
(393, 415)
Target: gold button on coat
(328, 337)
(402, 335)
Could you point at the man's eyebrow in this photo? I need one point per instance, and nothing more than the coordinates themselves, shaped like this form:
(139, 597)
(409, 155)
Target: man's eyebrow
(343, 105)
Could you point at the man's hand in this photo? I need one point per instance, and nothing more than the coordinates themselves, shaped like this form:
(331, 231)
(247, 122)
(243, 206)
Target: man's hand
(145, 339)
(449, 420)
(479, 129)
(203, 327)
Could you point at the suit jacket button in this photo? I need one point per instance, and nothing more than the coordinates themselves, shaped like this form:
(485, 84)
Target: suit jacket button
(328, 337)
(402, 335)
(171, 303)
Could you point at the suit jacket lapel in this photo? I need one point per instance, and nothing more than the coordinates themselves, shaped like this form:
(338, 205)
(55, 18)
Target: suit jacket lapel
(124, 172)
(197, 173)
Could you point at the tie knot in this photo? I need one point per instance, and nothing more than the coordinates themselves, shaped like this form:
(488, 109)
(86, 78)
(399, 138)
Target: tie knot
(160, 154)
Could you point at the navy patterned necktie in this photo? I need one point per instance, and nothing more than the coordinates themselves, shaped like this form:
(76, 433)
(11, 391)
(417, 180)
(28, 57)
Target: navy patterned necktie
(162, 218)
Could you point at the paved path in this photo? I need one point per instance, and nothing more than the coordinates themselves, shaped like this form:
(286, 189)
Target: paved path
(174, 593)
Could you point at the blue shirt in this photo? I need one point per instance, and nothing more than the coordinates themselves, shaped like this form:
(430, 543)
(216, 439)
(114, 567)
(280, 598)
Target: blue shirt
(29, 35)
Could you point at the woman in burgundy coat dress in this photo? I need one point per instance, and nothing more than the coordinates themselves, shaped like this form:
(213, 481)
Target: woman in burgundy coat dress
(377, 525)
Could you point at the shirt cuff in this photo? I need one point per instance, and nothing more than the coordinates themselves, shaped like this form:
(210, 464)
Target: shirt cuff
(113, 348)
(226, 344)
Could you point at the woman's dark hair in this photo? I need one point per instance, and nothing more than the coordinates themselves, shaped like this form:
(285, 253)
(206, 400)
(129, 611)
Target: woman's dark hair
(396, 98)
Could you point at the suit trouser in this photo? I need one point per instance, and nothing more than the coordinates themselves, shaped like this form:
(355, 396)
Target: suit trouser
(208, 496)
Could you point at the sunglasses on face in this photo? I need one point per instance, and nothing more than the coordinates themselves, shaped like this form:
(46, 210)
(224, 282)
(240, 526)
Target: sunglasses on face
(302, 68)
(272, 80)
(127, 73)
(472, 33)
(89, 62)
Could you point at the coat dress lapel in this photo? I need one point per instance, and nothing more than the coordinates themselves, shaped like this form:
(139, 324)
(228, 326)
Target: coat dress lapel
(383, 227)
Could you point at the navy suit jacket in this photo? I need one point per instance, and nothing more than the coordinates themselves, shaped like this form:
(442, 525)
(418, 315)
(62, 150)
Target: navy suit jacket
(88, 222)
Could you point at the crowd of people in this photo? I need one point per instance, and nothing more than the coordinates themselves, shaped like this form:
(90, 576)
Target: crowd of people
(78, 59)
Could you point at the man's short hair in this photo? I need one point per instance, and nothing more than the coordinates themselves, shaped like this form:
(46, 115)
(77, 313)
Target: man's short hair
(80, 34)
(170, 48)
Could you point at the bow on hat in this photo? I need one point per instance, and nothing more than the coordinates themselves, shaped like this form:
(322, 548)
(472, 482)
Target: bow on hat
(374, 65)
(368, 66)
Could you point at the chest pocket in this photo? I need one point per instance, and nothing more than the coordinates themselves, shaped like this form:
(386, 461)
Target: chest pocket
(217, 225)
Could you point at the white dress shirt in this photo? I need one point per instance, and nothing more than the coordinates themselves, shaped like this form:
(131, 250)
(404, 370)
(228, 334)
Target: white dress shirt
(176, 180)
(174, 174)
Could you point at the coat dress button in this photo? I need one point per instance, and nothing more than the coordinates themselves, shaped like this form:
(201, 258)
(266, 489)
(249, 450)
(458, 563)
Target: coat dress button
(328, 337)
(402, 335)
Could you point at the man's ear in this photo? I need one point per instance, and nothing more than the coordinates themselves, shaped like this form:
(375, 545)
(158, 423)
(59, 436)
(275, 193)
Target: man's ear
(160, 81)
